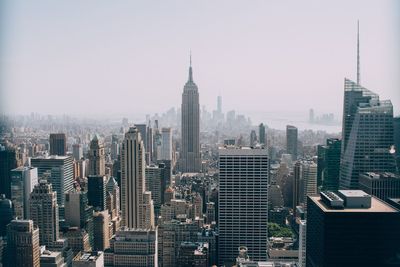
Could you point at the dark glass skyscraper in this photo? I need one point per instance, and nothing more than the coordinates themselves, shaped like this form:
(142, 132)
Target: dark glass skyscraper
(329, 164)
(190, 160)
(58, 144)
(291, 141)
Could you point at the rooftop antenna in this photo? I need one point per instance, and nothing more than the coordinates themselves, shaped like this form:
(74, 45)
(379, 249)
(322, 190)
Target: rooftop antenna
(358, 52)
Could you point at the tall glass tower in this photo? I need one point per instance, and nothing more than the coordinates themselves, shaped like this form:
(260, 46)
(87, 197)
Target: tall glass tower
(190, 160)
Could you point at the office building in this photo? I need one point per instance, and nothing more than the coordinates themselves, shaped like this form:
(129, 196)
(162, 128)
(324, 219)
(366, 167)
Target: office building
(44, 212)
(78, 213)
(113, 202)
(77, 151)
(97, 191)
(132, 247)
(329, 164)
(89, 259)
(58, 170)
(58, 144)
(51, 258)
(302, 243)
(153, 184)
(351, 228)
(291, 141)
(166, 144)
(9, 159)
(190, 160)
(77, 239)
(97, 158)
(193, 254)
(261, 134)
(243, 201)
(23, 249)
(396, 129)
(133, 182)
(367, 135)
(253, 138)
(101, 238)
(7, 214)
(23, 179)
(114, 147)
(383, 185)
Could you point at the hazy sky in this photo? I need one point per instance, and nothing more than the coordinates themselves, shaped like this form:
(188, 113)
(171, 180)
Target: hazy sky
(125, 57)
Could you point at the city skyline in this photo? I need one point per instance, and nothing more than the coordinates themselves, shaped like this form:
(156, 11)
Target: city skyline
(90, 65)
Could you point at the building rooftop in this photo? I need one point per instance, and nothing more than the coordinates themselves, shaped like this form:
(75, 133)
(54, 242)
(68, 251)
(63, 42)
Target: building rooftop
(380, 175)
(376, 205)
(88, 256)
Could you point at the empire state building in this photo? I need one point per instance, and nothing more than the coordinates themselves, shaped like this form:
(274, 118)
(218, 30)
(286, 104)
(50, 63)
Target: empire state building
(190, 160)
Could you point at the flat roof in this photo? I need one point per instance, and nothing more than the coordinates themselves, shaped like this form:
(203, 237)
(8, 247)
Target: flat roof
(377, 206)
(354, 193)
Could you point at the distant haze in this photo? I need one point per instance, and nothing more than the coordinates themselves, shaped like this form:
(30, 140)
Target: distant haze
(127, 57)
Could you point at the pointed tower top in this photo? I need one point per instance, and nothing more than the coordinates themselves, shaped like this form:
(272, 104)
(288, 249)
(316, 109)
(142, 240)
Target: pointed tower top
(190, 68)
(358, 52)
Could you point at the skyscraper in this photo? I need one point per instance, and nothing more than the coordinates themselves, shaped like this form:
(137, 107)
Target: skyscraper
(7, 214)
(133, 180)
(253, 138)
(101, 238)
(23, 180)
(23, 244)
(59, 172)
(166, 144)
(243, 201)
(154, 184)
(261, 134)
(367, 132)
(77, 151)
(97, 191)
(97, 160)
(44, 212)
(351, 228)
(58, 144)
(190, 160)
(9, 160)
(329, 164)
(291, 141)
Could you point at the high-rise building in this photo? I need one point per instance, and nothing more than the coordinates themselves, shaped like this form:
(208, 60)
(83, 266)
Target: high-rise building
(153, 184)
(77, 211)
(97, 191)
(7, 214)
(51, 259)
(193, 254)
(97, 157)
(133, 247)
(114, 147)
(9, 159)
(133, 180)
(113, 202)
(243, 201)
(59, 172)
(23, 249)
(44, 212)
(329, 164)
(77, 151)
(253, 138)
(291, 141)
(308, 180)
(166, 144)
(101, 238)
(383, 185)
(23, 179)
(58, 144)
(190, 160)
(302, 243)
(351, 228)
(396, 128)
(367, 134)
(261, 134)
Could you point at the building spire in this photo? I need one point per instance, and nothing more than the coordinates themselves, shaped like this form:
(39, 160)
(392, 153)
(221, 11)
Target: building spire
(358, 52)
(190, 68)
